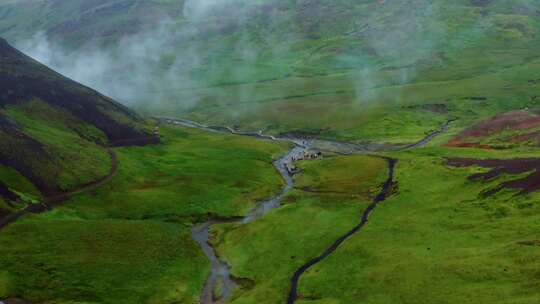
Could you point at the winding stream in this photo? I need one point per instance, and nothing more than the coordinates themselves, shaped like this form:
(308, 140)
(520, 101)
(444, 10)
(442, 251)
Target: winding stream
(293, 293)
(220, 284)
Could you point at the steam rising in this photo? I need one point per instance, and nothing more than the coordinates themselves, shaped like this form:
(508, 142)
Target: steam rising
(132, 71)
(179, 56)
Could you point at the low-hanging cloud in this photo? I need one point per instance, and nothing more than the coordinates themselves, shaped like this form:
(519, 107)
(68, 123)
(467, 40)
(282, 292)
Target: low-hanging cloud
(132, 71)
(170, 62)
(139, 68)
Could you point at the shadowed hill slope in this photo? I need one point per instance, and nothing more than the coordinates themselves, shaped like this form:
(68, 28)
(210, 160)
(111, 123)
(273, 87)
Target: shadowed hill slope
(53, 130)
(23, 79)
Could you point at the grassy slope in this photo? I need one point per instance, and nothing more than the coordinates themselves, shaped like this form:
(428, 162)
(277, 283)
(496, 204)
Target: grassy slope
(361, 86)
(19, 185)
(390, 118)
(15, 181)
(435, 241)
(130, 240)
(100, 261)
(79, 21)
(264, 254)
(73, 146)
(351, 68)
(192, 174)
(53, 130)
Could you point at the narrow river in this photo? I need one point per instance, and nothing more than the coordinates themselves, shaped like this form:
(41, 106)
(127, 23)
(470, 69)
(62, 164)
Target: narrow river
(220, 284)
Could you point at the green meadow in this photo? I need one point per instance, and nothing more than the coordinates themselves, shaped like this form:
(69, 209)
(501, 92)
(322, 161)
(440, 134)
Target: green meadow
(130, 241)
(436, 240)
(354, 71)
(264, 254)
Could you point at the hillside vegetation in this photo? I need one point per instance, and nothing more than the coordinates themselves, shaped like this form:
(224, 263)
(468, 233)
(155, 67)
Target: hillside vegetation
(54, 131)
(444, 208)
(352, 70)
(130, 240)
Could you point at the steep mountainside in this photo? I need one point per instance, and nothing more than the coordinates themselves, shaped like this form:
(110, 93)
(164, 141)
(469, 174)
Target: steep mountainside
(54, 130)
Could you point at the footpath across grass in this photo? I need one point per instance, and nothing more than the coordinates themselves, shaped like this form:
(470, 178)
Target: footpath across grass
(193, 175)
(130, 240)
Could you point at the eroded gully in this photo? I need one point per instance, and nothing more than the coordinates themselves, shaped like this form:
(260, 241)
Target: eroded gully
(220, 284)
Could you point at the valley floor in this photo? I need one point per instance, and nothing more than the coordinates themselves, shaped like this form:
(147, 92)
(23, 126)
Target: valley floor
(436, 238)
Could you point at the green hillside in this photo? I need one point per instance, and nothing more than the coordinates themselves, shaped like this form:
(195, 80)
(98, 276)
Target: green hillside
(129, 241)
(339, 69)
(54, 131)
(323, 151)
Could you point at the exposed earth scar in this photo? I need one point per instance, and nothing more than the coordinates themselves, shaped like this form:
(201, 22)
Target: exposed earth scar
(498, 167)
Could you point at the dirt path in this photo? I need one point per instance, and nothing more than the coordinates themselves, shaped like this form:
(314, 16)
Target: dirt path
(50, 202)
(293, 293)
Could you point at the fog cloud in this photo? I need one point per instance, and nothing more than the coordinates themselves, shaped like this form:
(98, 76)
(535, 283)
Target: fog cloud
(168, 63)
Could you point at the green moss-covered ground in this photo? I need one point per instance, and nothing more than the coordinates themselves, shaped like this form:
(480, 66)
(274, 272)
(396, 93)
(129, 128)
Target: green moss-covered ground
(66, 260)
(265, 253)
(436, 241)
(192, 175)
(130, 241)
(72, 154)
(339, 69)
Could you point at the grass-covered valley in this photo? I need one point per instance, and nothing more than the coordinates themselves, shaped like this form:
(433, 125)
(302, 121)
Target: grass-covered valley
(270, 151)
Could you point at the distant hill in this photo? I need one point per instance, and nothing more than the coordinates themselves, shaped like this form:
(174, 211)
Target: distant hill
(351, 70)
(54, 131)
(77, 21)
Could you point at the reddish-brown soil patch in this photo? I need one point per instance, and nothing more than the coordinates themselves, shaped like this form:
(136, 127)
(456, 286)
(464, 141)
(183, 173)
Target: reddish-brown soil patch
(534, 137)
(498, 167)
(515, 120)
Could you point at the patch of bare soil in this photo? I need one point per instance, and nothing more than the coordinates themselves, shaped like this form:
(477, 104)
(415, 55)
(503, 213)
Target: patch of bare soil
(528, 184)
(515, 120)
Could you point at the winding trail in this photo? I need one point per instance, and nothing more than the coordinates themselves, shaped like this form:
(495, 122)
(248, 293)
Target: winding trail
(293, 293)
(50, 202)
(220, 274)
